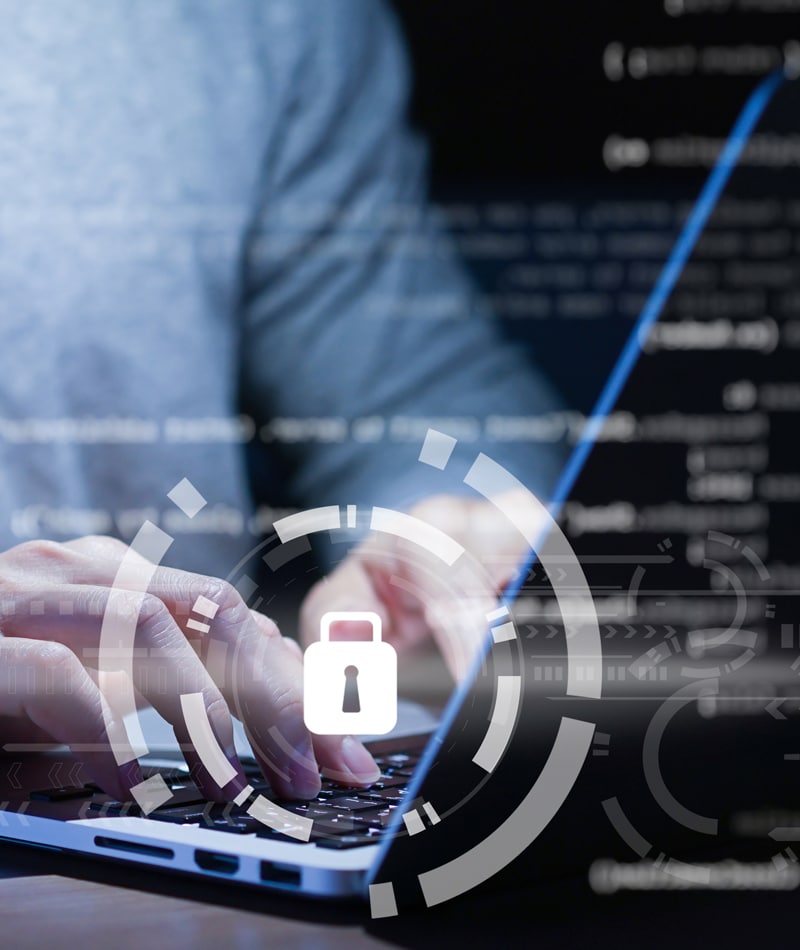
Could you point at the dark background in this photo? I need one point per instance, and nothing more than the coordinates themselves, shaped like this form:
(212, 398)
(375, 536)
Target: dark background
(516, 103)
(514, 91)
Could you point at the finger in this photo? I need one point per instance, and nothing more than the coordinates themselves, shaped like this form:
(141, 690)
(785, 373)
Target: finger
(140, 635)
(267, 686)
(341, 758)
(267, 627)
(256, 672)
(346, 760)
(277, 662)
(45, 683)
(269, 702)
(103, 548)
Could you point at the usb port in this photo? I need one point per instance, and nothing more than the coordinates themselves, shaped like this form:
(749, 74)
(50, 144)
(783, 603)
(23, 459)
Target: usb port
(214, 861)
(287, 875)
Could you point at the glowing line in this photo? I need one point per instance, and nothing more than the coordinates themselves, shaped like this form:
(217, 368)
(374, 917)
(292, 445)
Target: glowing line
(749, 116)
(669, 276)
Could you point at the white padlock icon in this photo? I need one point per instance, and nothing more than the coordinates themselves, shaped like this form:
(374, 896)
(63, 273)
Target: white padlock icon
(350, 686)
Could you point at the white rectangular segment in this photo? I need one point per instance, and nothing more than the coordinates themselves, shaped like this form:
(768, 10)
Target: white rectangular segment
(501, 724)
(277, 818)
(152, 543)
(217, 661)
(497, 614)
(242, 797)
(418, 532)
(187, 498)
(437, 449)
(152, 793)
(193, 624)
(413, 822)
(204, 740)
(308, 522)
(128, 742)
(382, 902)
(205, 607)
(503, 633)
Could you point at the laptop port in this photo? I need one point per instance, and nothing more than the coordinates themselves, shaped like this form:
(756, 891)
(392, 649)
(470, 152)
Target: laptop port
(214, 861)
(287, 875)
(135, 847)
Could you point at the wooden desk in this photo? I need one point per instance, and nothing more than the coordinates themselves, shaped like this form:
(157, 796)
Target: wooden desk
(58, 901)
(35, 910)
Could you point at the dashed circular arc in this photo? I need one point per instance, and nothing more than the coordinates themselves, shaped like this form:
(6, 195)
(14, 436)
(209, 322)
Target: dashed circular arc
(573, 739)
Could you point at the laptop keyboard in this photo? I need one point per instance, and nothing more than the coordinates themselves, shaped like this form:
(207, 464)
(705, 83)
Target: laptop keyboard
(343, 817)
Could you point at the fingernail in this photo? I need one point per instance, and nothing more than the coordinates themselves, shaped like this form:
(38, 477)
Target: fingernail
(304, 789)
(358, 761)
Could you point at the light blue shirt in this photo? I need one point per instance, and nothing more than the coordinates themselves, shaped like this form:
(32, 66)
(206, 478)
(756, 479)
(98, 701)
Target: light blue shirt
(215, 207)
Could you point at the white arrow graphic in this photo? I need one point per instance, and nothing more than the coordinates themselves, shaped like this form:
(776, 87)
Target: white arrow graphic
(12, 775)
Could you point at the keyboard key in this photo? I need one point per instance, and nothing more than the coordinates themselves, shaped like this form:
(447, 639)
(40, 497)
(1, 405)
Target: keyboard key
(334, 789)
(227, 812)
(265, 832)
(342, 842)
(386, 781)
(237, 826)
(352, 805)
(184, 815)
(393, 795)
(312, 811)
(62, 794)
(321, 801)
(377, 820)
(115, 808)
(341, 825)
(185, 794)
(229, 827)
(170, 776)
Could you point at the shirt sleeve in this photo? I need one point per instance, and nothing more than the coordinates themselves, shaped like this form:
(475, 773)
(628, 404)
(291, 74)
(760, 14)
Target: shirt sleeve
(356, 307)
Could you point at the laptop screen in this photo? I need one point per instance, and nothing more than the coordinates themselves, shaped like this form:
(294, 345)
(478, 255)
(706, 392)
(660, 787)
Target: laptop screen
(678, 503)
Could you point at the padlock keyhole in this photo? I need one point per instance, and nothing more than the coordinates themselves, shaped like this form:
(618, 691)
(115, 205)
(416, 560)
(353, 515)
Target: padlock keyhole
(351, 703)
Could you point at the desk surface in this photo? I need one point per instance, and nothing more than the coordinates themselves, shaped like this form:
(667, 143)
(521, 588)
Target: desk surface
(47, 897)
(35, 910)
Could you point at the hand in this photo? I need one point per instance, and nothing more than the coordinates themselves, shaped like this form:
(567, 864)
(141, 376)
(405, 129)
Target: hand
(414, 595)
(52, 601)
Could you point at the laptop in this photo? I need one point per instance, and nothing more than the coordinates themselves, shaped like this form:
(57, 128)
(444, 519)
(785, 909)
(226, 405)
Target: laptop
(544, 760)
